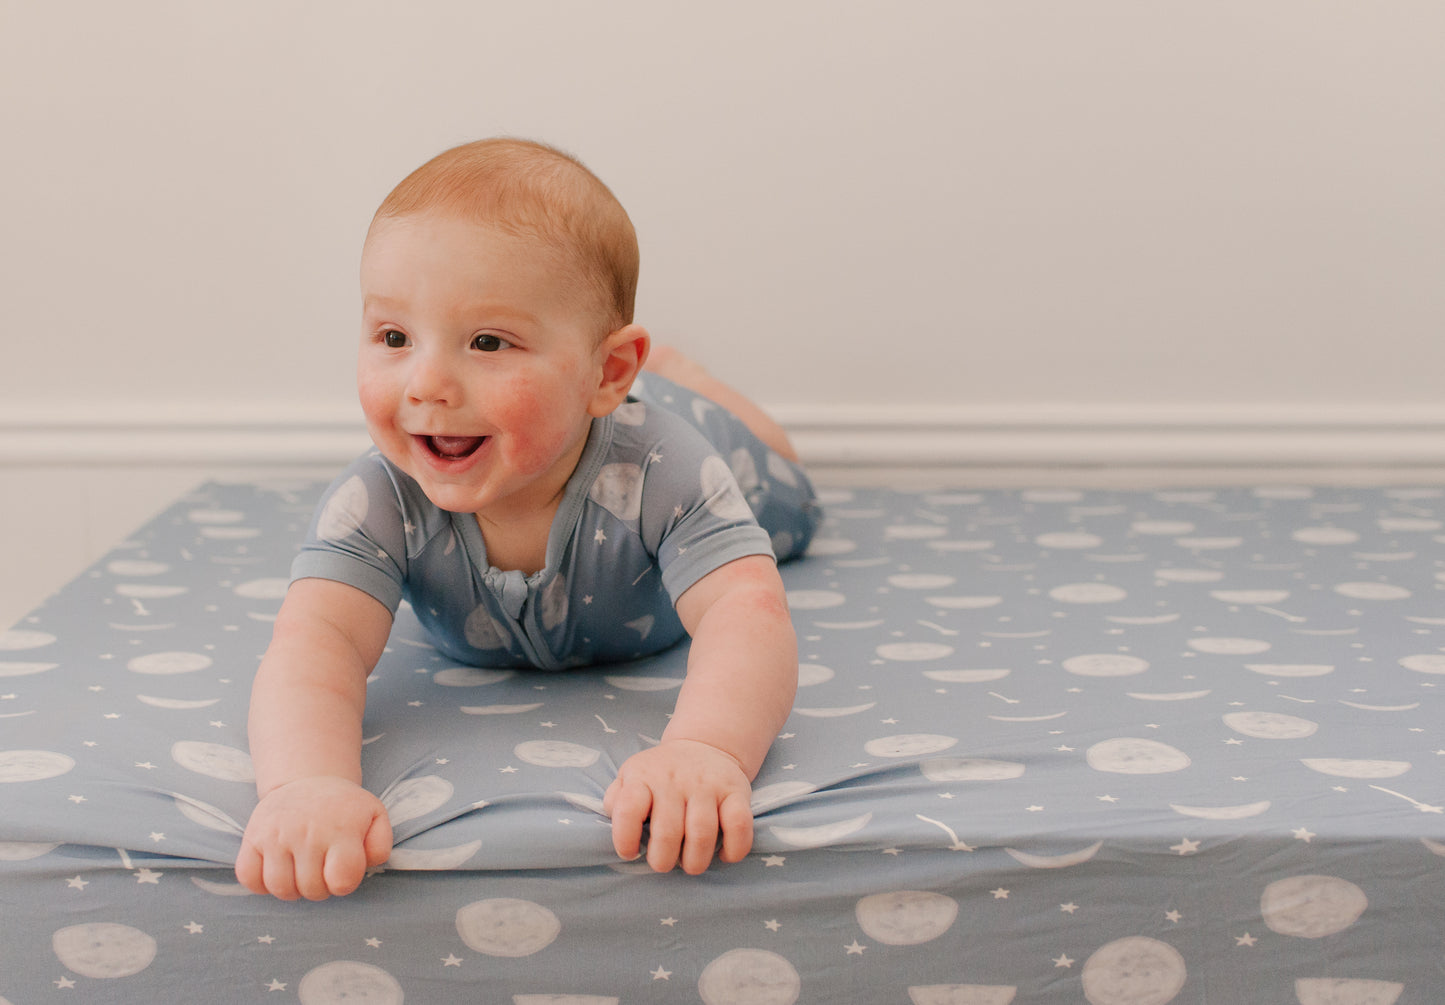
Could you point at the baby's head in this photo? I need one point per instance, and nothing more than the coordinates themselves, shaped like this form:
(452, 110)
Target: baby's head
(530, 190)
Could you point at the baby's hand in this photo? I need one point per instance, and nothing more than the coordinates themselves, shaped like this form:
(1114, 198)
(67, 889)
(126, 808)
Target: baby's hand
(689, 790)
(313, 838)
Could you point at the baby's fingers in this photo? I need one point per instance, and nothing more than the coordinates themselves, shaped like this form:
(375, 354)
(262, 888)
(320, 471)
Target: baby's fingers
(736, 817)
(700, 841)
(628, 805)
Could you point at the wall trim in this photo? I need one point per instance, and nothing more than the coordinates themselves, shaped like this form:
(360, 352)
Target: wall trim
(872, 436)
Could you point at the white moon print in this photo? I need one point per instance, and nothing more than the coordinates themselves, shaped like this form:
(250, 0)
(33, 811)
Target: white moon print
(749, 977)
(1127, 755)
(1270, 725)
(822, 835)
(1105, 665)
(1346, 768)
(416, 797)
(204, 814)
(214, 760)
(970, 769)
(920, 581)
(815, 600)
(345, 511)
(16, 639)
(24, 851)
(833, 712)
(962, 994)
(1372, 591)
(628, 682)
(1133, 971)
(470, 677)
(909, 745)
(778, 793)
(964, 603)
(11, 668)
(508, 927)
(1290, 669)
(556, 754)
(1346, 991)
(1311, 907)
(618, 490)
(1087, 593)
(724, 500)
(1424, 662)
(906, 917)
(263, 589)
(483, 631)
(1188, 575)
(1065, 539)
(1241, 812)
(812, 674)
(1229, 646)
(500, 709)
(1167, 695)
(914, 652)
(136, 567)
(176, 704)
(1161, 528)
(966, 676)
(348, 983)
(168, 663)
(433, 859)
(1250, 596)
(1055, 861)
(33, 765)
(1325, 535)
(103, 950)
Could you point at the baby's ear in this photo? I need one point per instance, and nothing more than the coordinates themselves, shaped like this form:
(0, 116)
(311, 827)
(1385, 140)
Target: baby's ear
(622, 353)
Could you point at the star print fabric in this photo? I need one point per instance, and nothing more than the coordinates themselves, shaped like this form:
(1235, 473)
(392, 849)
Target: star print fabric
(669, 488)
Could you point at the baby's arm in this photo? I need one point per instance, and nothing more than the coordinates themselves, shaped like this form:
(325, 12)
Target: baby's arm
(742, 673)
(316, 830)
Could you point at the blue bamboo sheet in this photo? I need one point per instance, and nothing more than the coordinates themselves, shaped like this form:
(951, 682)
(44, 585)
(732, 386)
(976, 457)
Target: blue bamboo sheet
(1050, 746)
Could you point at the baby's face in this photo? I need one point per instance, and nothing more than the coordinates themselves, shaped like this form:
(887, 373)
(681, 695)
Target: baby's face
(479, 363)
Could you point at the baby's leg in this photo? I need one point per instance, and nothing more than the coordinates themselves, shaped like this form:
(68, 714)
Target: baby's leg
(681, 369)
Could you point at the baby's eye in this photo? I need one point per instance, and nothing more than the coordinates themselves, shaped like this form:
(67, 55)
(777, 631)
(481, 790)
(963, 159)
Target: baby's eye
(490, 343)
(394, 339)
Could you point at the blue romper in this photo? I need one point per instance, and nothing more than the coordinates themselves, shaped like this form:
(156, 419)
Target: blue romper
(669, 487)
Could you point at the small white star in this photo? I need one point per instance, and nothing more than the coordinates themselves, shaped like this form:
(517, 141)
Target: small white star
(194, 928)
(1303, 834)
(1185, 847)
(661, 975)
(773, 925)
(276, 985)
(374, 943)
(587, 600)
(999, 894)
(64, 982)
(893, 851)
(157, 837)
(508, 770)
(1234, 741)
(1062, 960)
(1064, 748)
(76, 883)
(669, 921)
(773, 860)
(147, 876)
(452, 960)
(111, 715)
(1035, 809)
(599, 537)
(1108, 799)
(1069, 908)
(854, 949)
(1245, 940)
(267, 940)
(1173, 916)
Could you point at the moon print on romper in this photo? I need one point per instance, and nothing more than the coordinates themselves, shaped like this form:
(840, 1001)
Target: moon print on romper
(345, 512)
(720, 490)
(1133, 971)
(506, 926)
(618, 490)
(103, 950)
(33, 765)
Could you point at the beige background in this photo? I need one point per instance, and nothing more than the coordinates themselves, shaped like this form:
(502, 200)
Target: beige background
(957, 233)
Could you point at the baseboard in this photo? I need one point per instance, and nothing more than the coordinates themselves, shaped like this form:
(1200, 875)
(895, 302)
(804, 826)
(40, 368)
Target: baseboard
(864, 437)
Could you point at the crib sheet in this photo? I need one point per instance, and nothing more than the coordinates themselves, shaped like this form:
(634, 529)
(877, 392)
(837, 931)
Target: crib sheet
(1123, 748)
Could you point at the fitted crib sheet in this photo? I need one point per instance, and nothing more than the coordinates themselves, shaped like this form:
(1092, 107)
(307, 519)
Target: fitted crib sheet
(1050, 746)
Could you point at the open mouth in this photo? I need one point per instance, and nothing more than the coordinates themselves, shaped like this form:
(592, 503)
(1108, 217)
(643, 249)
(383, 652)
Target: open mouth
(453, 448)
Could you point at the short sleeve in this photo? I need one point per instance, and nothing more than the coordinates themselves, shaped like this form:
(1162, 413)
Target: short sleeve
(358, 534)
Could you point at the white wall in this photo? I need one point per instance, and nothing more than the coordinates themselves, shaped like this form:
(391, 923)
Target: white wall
(965, 232)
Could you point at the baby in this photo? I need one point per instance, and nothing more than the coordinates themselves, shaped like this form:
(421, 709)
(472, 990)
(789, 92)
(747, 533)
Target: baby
(536, 509)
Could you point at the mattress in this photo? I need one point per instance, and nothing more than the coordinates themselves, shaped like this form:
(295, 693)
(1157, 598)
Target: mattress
(1114, 747)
